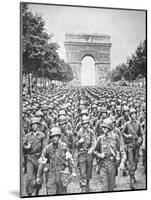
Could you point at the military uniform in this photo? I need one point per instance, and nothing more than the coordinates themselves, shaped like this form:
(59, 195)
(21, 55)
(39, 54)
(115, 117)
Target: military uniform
(33, 143)
(132, 146)
(85, 159)
(56, 179)
(108, 149)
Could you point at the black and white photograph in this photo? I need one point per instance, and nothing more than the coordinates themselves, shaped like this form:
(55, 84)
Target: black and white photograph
(83, 99)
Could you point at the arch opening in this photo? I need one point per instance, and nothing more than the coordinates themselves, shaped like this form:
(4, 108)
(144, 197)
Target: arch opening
(88, 71)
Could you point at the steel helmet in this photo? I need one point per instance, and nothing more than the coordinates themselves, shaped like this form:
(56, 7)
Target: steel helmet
(55, 131)
(108, 123)
(103, 110)
(38, 113)
(44, 107)
(62, 119)
(35, 120)
(118, 108)
(125, 108)
(85, 119)
(50, 106)
(62, 112)
(132, 110)
(84, 112)
(112, 103)
(94, 106)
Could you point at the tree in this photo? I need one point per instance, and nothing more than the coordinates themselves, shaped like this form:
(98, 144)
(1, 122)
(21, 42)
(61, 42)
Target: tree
(137, 62)
(40, 55)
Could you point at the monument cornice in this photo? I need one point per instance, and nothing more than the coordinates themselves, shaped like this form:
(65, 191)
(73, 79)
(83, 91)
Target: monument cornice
(87, 44)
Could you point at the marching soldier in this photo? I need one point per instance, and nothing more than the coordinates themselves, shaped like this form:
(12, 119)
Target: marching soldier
(33, 143)
(132, 134)
(66, 135)
(60, 167)
(102, 116)
(85, 143)
(107, 150)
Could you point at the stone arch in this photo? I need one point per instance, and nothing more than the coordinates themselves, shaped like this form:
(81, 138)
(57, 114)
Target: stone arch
(88, 54)
(98, 46)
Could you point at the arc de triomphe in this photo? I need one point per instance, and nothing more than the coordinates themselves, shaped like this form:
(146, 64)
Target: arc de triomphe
(95, 45)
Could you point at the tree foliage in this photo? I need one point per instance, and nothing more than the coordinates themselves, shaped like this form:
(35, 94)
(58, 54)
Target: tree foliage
(135, 66)
(40, 54)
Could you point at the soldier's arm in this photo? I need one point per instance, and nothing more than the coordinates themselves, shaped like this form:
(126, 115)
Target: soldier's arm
(26, 144)
(45, 141)
(140, 134)
(77, 137)
(70, 160)
(93, 141)
(97, 150)
(121, 150)
(97, 127)
(124, 130)
(42, 162)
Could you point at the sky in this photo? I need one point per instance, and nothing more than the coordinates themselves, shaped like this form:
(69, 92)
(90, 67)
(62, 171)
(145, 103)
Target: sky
(125, 27)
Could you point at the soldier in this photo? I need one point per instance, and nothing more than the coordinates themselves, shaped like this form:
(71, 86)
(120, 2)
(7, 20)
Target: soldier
(66, 135)
(62, 112)
(102, 116)
(33, 143)
(120, 136)
(107, 150)
(132, 135)
(43, 125)
(125, 117)
(85, 143)
(60, 165)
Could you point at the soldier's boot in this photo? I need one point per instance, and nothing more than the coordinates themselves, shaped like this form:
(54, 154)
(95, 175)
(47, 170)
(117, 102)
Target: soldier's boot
(125, 172)
(83, 189)
(132, 185)
(87, 186)
(134, 179)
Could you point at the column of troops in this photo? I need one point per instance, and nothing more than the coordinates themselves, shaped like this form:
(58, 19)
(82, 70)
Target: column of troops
(78, 130)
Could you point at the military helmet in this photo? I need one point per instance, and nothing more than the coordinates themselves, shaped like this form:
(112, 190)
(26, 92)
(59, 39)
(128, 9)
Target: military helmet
(50, 106)
(84, 112)
(38, 113)
(118, 107)
(94, 106)
(103, 110)
(62, 112)
(132, 110)
(125, 108)
(44, 107)
(108, 123)
(62, 119)
(55, 131)
(85, 119)
(24, 110)
(35, 120)
(112, 103)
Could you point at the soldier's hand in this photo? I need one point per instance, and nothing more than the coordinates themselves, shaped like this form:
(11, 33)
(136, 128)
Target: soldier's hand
(90, 152)
(121, 167)
(129, 136)
(28, 146)
(100, 155)
(73, 174)
(68, 155)
(81, 140)
(139, 140)
(42, 160)
(103, 155)
(38, 181)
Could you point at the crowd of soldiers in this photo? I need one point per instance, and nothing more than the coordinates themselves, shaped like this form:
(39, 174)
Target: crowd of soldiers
(76, 130)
